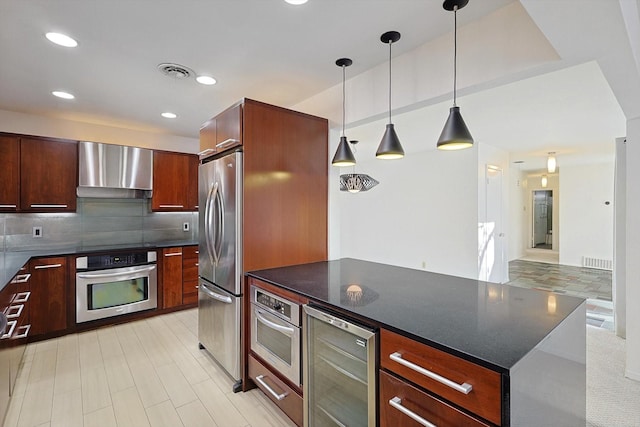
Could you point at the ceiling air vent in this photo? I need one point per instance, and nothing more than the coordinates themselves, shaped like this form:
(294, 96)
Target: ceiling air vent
(176, 71)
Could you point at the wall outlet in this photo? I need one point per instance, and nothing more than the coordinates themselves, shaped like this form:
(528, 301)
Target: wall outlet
(37, 232)
(185, 226)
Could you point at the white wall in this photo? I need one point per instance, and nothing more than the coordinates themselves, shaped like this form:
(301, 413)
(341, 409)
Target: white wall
(586, 222)
(423, 210)
(517, 219)
(28, 124)
(633, 249)
(619, 279)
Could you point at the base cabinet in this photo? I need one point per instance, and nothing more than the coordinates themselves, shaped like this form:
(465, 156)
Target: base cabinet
(277, 390)
(49, 297)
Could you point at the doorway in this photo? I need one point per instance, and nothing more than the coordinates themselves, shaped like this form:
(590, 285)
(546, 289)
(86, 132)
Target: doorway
(542, 219)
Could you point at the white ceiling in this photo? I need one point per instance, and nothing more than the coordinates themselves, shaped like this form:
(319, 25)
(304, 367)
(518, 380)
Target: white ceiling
(282, 54)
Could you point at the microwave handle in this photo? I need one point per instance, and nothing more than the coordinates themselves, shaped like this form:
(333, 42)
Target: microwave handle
(106, 275)
(285, 330)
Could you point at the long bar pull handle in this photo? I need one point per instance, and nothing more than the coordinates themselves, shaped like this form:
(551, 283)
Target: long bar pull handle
(464, 388)
(396, 402)
(7, 206)
(277, 396)
(206, 151)
(49, 206)
(285, 330)
(226, 142)
(172, 206)
(135, 271)
(40, 267)
(173, 254)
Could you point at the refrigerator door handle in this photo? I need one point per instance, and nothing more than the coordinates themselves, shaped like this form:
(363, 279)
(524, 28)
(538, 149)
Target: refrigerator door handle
(211, 196)
(220, 231)
(222, 298)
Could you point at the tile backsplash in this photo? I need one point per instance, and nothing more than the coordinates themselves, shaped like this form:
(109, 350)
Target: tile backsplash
(97, 222)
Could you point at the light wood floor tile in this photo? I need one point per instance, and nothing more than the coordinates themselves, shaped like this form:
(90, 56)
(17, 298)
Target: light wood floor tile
(89, 351)
(179, 390)
(148, 384)
(118, 374)
(109, 344)
(51, 344)
(95, 390)
(191, 369)
(13, 412)
(155, 351)
(23, 378)
(68, 347)
(67, 376)
(37, 404)
(218, 405)
(128, 409)
(276, 412)
(43, 368)
(67, 409)
(163, 415)
(253, 409)
(44, 425)
(216, 373)
(195, 415)
(101, 418)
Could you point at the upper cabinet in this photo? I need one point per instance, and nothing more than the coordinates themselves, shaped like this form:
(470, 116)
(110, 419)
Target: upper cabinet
(175, 182)
(38, 174)
(222, 132)
(9, 173)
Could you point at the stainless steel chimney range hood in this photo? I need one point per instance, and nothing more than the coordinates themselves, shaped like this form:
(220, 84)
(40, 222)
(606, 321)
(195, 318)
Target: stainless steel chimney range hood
(114, 171)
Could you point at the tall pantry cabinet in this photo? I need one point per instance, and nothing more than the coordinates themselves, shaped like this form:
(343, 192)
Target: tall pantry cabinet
(284, 214)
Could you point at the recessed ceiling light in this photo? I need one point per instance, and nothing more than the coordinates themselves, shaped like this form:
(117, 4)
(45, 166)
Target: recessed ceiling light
(61, 39)
(206, 80)
(63, 95)
(296, 2)
(169, 115)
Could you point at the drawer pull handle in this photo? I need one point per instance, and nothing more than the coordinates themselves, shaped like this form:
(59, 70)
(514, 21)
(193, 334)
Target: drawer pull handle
(464, 388)
(173, 254)
(396, 402)
(171, 206)
(21, 278)
(14, 311)
(206, 151)
(48, 206)
(22, 297)
(227, 142)
(259, 378)
(12, 326)
(24, 333)
(41, 267)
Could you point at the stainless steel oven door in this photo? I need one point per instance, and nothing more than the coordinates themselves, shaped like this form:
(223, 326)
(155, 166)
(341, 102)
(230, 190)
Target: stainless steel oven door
(107, 293)
(277, 342)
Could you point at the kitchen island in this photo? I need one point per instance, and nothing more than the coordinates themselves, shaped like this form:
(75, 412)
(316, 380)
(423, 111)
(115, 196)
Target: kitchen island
(527, 346)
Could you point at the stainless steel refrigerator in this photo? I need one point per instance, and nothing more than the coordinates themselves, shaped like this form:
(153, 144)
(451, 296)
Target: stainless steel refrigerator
(220, 261)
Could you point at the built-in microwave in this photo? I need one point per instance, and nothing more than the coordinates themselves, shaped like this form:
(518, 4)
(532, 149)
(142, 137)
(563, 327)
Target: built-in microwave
(112, 285)
(275, 332)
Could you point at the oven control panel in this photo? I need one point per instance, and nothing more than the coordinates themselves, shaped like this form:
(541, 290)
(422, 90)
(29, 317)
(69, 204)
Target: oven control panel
(127, 259)
(286, 309)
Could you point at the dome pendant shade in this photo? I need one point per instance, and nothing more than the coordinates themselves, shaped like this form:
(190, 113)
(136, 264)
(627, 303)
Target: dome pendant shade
(390, 147)
(344, 156)
(455, 135)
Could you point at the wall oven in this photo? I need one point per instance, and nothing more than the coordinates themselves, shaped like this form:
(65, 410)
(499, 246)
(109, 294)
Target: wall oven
(112, 285)
(275, 332)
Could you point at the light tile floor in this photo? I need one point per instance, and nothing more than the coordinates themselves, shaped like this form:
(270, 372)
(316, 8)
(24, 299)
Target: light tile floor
(143, 373)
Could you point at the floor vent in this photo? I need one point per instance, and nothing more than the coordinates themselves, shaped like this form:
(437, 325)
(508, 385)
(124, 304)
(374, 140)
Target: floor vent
(600, 264)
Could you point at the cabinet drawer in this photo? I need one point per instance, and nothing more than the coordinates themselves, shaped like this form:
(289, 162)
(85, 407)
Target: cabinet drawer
(190, 252)
(464, 383)
(190, 291)
(399, 401)
(189, 271)
(287, 399)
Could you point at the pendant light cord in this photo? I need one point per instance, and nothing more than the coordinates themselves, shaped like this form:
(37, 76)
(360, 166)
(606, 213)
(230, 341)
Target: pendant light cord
(455, 52)
(343, 97)
(390, 43)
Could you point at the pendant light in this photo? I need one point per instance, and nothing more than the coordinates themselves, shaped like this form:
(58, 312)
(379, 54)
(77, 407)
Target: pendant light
(551, 162)
(390, 147)
(356, 182)
(455, 135)
(344, 155)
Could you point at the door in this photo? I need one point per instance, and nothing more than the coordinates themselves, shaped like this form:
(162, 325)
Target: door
(542, 219)
(220, 211)
(492, 260)
(219, 326)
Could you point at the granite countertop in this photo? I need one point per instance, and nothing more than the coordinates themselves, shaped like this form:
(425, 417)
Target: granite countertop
(490, 324)
(11, 262)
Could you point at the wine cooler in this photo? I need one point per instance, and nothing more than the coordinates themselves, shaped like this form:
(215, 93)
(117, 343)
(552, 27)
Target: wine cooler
(338, 371)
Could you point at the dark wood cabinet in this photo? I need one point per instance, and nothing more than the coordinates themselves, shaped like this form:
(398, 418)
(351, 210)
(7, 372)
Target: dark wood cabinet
(9, 173)
(189, 275)
(222, 132)
(48, 175)
(171, 277)
(49, 296)
(175, 181)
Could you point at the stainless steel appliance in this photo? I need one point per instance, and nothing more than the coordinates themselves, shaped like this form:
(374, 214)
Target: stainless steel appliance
(106, 170)
(339, 371)
(220, 261)
(112, 285)
(275, 333)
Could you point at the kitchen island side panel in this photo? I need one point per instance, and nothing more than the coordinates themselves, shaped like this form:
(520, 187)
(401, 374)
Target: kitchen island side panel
(548, 386)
